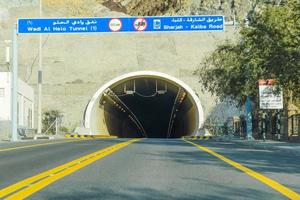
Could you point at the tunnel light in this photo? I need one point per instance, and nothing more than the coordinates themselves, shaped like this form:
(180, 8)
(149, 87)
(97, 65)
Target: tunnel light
(160, 92)
(130, 92)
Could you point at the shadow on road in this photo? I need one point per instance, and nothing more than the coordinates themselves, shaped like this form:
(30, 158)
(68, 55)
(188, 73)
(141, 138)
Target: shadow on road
(221, 192)
(262, 160)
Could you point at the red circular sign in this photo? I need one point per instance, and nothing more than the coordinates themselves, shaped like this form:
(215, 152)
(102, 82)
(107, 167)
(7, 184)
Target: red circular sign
(115, 24)
(140, 24)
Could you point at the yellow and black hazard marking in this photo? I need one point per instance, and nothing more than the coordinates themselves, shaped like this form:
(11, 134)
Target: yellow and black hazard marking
(78, 136)
(197, 137)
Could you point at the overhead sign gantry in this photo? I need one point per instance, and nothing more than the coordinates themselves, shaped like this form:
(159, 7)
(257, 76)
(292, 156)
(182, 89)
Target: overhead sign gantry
(122, 24)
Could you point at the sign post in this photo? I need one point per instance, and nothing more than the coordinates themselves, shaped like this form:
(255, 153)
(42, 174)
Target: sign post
(14, 87)
(278, 125)
(264, 125)
(270, 99)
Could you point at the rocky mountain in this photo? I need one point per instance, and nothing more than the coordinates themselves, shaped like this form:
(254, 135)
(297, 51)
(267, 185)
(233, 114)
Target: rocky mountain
(17, 3)
(230, 8)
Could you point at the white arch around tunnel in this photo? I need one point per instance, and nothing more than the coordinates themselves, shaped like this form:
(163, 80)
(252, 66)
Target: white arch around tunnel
(94, 117)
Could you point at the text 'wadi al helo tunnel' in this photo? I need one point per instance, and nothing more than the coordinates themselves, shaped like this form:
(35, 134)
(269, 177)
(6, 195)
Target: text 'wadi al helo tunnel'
(144, 104)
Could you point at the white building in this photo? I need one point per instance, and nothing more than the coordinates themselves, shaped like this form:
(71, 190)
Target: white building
(24, 107)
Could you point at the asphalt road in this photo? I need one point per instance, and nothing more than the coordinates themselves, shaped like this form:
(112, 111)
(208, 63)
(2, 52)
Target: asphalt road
(153, 169)
(18, 164)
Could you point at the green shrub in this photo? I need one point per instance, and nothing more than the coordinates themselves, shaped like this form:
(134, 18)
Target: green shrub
(48, 119)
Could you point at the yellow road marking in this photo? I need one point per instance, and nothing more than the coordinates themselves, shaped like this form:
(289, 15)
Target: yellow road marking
(36, 145)
(105, 137)
(35, 183)
(271, 183)
(68, 136)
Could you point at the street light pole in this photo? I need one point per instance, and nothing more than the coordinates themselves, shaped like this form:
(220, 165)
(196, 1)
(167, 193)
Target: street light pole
(40, 80)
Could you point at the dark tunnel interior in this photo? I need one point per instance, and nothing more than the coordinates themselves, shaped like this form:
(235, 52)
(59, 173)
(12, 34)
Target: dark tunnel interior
(148, 107)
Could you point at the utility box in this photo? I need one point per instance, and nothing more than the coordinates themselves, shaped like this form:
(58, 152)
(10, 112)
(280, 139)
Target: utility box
(25, 106)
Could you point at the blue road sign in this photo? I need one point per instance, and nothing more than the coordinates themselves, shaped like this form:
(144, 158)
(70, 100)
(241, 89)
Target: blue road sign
(123, 24)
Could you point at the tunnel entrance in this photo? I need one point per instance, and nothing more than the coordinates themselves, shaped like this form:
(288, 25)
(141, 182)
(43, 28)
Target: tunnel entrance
(144, 104)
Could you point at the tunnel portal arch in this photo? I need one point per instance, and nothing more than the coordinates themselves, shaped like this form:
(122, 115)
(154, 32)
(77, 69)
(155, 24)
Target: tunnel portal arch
(98, 119)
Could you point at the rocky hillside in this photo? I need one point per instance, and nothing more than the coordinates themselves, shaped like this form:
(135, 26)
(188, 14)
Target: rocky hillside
(84, 8)
(17, 3)
(186, 7)
(229, 8)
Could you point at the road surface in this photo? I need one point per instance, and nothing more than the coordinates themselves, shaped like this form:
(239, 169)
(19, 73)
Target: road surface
(145, 169)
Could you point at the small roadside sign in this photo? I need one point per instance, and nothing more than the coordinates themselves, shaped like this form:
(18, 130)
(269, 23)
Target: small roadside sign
(269, 98)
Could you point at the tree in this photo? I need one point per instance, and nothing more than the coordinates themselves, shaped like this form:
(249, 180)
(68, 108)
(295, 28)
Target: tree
(268, 47)
(49, 118)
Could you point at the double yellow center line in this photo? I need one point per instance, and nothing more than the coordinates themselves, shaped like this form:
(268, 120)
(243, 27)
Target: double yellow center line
(269, 182)
(27, 187)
